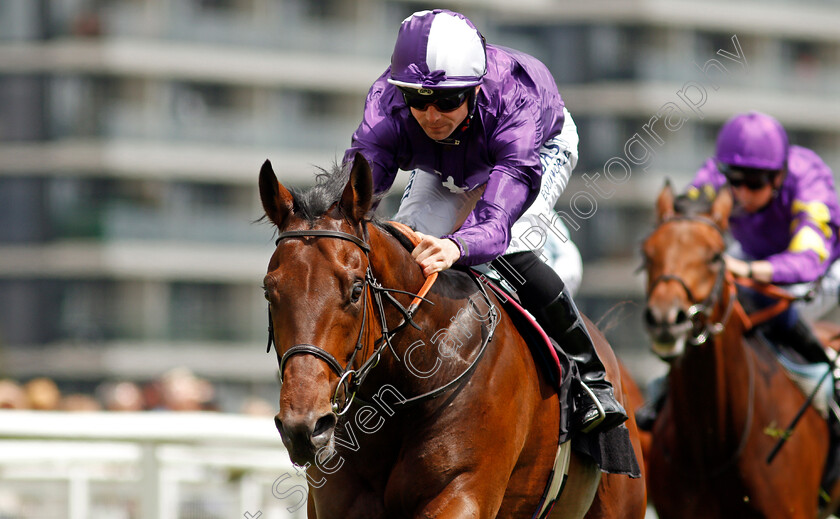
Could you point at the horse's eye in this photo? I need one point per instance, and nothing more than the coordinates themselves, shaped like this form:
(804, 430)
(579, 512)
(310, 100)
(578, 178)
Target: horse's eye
(357, 292)
(265, 294)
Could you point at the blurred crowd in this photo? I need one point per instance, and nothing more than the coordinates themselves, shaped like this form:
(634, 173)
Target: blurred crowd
(176, 390)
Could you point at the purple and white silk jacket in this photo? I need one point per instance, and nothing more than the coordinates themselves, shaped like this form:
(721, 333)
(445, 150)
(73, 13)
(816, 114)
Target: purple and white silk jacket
(517, 110)
(797, 231)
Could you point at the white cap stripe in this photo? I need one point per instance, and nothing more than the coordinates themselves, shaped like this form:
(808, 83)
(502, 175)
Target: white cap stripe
(455, 47)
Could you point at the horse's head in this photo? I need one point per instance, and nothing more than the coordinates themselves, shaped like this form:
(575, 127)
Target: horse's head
(684, 263)
(317, 291)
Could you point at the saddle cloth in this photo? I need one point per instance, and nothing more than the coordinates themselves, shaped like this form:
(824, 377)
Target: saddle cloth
(544, 352)
(807, 377)
(612, 450)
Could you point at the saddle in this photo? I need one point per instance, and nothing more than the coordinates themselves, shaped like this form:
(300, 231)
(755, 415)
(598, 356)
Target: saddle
(612, 450)
(810, 378)
(556, 366)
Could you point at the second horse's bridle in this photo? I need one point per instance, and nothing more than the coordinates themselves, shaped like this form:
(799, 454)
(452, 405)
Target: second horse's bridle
(704, 329)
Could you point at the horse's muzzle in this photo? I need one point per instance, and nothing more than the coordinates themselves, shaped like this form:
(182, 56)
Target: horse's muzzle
(305, 435)
(668, 329)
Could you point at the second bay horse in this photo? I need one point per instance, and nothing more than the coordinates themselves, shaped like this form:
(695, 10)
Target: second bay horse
(728, 397)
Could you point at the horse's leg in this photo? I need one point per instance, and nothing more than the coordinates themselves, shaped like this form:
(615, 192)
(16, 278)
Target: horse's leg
(463, 474)
(490, 440)
(474, 496)
(344, 493)
(461, 499)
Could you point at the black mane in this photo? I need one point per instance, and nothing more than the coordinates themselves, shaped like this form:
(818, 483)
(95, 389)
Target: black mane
(402, 238)
(693, 205)
(314, 202)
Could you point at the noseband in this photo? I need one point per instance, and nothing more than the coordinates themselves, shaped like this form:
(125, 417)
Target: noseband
(703, 328)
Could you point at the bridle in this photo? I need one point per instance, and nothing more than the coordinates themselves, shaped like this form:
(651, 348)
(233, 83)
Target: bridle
(351, 379)
(700, 314)
(706, 329)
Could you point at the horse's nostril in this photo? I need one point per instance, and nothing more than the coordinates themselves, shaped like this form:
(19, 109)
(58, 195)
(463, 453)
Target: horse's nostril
(278, 424)
(681, 318)
(324, 424)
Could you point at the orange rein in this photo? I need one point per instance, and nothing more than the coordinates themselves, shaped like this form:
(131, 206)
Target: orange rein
(750, 321)
(412, 236)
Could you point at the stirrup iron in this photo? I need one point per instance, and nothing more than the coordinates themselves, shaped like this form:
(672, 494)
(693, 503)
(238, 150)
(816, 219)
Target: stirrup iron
(602, 415)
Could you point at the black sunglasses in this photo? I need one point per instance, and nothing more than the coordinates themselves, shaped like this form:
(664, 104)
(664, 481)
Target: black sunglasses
(443, 100)
(751, 178)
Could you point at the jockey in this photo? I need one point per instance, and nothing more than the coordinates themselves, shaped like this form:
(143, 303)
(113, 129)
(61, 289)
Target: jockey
(785, 223)
(490, 148)
(785, 220)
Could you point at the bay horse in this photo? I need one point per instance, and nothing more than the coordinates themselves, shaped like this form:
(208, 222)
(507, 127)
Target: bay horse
(728, 397)
(432, 408)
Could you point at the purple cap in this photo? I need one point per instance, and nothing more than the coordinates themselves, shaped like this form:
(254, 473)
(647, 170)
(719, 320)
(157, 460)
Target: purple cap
(753, 140)
(438, 49)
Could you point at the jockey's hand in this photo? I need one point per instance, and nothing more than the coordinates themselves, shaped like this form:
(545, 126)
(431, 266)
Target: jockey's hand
(736, 266)
(761, 270)
(435, 254)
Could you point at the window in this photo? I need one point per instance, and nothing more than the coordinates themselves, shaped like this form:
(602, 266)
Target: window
(200, 312)
(88, 311)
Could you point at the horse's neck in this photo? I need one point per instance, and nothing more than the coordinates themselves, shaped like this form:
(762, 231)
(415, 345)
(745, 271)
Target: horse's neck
(394, 267)
(711, 385)
(391, 263)
(443, 323)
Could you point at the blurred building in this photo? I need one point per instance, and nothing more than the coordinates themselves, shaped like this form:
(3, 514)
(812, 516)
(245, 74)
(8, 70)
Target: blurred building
(132, 132)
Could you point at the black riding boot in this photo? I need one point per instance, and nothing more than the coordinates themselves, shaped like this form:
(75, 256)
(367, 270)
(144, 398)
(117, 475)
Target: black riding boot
(801, 339)
(807, 344)
(597, 407)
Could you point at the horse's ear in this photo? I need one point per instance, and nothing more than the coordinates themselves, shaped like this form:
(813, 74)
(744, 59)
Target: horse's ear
(276, 199)
(358, 193)
(665, 203)
(721, 207)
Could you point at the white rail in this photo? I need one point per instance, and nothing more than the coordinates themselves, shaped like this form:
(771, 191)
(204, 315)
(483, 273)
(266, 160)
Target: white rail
(151, 465)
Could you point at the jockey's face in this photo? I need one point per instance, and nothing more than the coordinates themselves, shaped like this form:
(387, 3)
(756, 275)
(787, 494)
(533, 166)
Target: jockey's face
(440, 125)
(752, 199)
